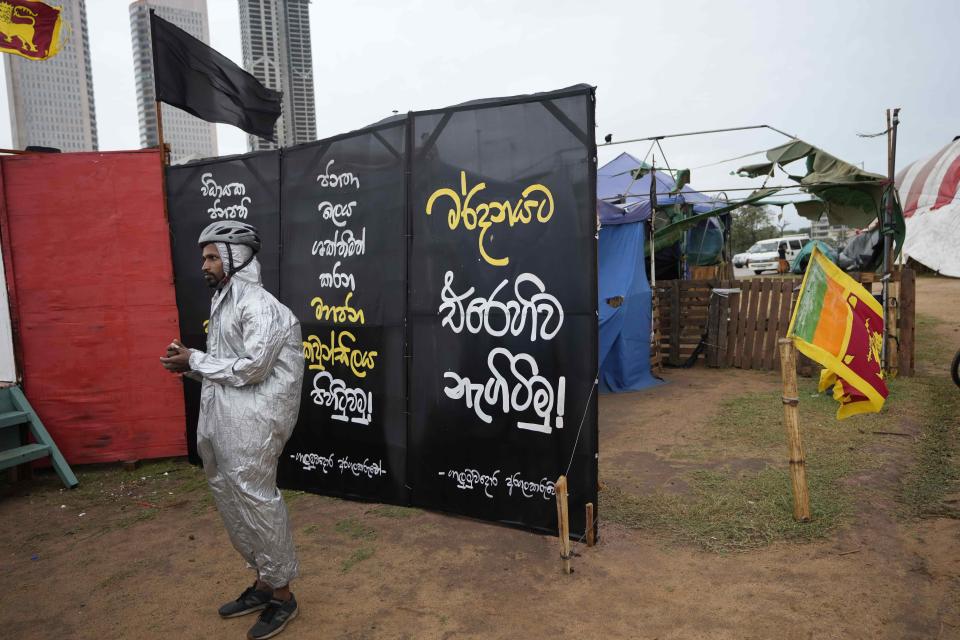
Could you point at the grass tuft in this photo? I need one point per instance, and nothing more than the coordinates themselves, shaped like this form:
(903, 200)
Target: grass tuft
(361, 554)
(355, 529)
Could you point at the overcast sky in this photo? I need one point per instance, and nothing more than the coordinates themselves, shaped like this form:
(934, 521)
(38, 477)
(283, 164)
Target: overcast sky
(822, 70)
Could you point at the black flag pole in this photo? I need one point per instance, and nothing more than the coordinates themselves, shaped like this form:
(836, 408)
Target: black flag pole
(165, 160)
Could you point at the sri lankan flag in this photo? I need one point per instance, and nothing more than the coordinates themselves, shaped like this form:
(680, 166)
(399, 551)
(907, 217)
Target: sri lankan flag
(839, 324)
(30, 29)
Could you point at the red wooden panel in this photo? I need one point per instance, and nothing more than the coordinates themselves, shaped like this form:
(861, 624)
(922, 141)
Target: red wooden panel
(90, 258)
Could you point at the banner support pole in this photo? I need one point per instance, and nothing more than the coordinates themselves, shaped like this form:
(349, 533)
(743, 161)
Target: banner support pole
(563, 522)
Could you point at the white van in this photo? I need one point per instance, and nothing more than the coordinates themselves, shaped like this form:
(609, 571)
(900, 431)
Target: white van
(765, 256)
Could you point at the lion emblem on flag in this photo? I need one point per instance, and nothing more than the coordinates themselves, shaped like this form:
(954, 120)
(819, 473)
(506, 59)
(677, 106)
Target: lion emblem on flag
(25, 31)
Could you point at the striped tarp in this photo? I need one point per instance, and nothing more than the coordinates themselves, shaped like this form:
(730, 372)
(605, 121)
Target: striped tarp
(931, 205)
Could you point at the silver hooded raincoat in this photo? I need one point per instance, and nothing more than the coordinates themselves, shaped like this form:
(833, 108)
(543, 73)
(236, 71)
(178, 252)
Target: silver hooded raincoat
(252, 372)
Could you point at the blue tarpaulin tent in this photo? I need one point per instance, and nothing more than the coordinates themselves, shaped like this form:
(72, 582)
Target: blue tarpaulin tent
(624, 308)
(623, 199)
(624, 291)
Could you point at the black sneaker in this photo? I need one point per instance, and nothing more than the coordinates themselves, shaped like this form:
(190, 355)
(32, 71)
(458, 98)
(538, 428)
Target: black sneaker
(273, 619)
(249, 601)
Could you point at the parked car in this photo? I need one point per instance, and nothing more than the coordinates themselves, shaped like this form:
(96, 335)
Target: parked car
(740, 259)
(765, 256)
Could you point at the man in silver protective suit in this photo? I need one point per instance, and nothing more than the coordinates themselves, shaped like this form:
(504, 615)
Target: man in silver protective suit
(251, 372)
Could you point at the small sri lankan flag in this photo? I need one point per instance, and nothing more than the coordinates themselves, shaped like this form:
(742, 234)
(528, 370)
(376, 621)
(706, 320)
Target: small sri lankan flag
(30, 28)
(839, 324)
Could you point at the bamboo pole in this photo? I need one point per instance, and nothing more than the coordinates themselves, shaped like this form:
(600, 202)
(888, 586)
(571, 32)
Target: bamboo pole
(591, 531)
(791, 420)
(563, 523)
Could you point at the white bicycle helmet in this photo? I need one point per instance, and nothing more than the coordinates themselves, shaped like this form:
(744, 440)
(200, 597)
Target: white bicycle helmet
(231, 232)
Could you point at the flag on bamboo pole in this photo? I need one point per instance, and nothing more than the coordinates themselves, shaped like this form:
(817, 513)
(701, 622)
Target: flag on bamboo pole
(30, 29)
(196, 78)
(839, 324)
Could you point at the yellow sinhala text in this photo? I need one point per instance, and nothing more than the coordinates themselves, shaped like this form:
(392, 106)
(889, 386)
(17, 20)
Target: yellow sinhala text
(339, 350)
(535, 201)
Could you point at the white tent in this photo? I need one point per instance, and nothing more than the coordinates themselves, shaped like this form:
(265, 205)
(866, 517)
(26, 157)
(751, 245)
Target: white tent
(931, 206)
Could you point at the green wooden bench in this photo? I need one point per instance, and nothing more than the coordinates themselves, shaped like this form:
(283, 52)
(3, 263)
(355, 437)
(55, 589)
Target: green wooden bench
(17, 417)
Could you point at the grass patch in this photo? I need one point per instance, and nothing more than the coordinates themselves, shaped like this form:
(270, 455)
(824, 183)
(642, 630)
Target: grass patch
(310, 530)
(291, 495)
(355, 529)
(935, 472)
(927, 349)
(138, 517)
(361, 554)
(729, 508)
(393, 511)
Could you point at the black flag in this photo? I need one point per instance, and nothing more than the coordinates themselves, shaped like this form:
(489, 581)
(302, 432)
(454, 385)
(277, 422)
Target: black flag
(191, 76)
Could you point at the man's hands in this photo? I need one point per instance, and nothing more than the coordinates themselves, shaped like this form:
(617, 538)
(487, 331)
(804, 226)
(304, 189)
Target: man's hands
(177, 359)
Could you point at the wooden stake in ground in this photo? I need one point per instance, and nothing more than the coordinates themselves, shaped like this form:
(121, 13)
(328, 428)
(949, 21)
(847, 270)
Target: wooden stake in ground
(791, 420)
(563, 523)
(591, 540)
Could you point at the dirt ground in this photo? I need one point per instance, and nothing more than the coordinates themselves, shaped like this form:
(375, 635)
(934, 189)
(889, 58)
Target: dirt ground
(142, 554)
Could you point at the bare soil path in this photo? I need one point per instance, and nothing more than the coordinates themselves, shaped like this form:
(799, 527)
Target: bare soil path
(143, 554)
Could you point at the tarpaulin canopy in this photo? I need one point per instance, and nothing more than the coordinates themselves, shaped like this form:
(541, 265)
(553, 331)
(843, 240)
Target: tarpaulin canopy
(623, 198)
(846, 193)
(930, 191)
(624, 310)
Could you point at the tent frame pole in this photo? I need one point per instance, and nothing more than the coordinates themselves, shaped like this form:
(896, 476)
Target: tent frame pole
(654, 297)
(887, 227)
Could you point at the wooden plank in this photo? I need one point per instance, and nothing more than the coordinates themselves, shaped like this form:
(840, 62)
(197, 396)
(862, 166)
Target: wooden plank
(908, 310)
(773, 326)
(713, 325)
(786, 308)
(674, 358)
(732, 322)
(723, 329)
(751, 325)
(745, 297)
(696, 284)
(745, 290)
(761, 331)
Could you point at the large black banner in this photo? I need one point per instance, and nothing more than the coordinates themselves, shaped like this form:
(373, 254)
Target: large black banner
(344, 266)
(503, 309)
(443, 268)
(246, 188)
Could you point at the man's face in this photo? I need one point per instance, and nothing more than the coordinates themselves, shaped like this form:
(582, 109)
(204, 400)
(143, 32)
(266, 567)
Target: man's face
(212, 266)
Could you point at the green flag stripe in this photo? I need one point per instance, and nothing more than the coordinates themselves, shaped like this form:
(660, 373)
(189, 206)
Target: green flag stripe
(811, 303)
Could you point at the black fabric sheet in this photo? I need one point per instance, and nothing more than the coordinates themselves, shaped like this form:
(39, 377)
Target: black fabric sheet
(503, 310)
(344, 266)
(245, 188)
(443, 267)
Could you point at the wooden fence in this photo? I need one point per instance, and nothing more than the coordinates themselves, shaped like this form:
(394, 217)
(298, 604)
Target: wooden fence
(736, 323)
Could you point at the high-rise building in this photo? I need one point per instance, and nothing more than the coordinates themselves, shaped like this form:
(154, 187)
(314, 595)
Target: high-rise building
(189, 137)
(51, 101)
(830, 233)
(275, 36)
